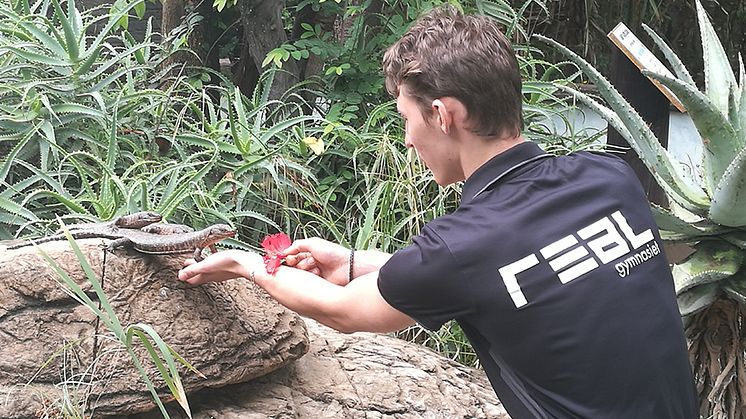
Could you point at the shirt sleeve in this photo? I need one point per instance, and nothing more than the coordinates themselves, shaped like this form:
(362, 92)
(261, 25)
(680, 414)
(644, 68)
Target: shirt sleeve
(424, 281)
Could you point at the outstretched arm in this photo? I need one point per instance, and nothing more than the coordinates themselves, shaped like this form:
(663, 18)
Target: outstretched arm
(332, 261)
(358, 306)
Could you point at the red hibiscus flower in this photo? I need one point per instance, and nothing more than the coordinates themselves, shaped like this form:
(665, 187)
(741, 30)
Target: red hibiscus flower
(273, 246)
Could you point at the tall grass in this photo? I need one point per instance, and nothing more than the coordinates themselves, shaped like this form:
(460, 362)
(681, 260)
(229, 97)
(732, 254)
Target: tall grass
(94, 127)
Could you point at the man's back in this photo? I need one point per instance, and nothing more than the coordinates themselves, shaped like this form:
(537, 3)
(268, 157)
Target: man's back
(558, 278)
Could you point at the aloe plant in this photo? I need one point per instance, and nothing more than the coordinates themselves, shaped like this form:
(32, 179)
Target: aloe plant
(85, 110)
(707, 208)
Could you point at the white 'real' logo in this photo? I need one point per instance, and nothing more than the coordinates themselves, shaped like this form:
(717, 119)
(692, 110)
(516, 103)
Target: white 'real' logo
(571, 259)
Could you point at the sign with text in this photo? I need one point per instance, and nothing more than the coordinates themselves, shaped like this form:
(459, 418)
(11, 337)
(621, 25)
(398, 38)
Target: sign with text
(641, 56)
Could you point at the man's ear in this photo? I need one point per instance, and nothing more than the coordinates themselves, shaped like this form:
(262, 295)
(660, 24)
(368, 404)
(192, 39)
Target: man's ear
(442, 115)
(450, 114)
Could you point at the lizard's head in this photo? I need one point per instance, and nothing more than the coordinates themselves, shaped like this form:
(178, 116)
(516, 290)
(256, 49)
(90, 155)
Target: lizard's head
(150, 216)
(222, 231)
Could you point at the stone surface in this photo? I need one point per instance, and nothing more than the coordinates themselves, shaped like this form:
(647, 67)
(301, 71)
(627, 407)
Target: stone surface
(362, 375)
(232, 332)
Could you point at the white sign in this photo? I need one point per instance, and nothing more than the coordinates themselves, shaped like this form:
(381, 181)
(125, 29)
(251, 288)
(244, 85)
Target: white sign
(639, 54)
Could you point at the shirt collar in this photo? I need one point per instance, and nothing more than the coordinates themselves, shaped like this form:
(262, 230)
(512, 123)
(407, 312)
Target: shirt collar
(499, 166)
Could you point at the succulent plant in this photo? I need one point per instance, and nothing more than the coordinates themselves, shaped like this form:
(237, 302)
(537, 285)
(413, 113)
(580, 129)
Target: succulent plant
(707, 207)
(708, 204)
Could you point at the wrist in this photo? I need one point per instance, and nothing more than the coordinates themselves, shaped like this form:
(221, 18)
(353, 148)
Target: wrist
(249, 265)
(367, 261)
(351, 265)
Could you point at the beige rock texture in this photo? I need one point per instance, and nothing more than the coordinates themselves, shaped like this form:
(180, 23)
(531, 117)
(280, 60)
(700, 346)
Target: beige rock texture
(53, 348)
(362, 375)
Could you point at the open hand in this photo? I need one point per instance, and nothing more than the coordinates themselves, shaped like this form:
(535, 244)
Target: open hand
(221, 266)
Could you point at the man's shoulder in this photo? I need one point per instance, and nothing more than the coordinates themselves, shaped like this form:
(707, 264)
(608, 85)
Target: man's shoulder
(602, 158)
(463, 224)
(593, 167)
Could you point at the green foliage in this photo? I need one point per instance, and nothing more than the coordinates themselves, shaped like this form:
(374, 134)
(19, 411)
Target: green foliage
(112, 131)
(350, 48)
(92, 125)
(58, 93)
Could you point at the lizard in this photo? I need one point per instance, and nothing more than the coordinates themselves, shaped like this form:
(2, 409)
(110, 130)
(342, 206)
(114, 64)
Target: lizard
(166, 229)
(159, 244)
(139, 219)
(151, 243)
(108, 230)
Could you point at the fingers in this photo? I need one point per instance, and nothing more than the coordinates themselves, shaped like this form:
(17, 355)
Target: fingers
(295, 259)
(193, 276)
(196, 273)
(304, 261)
(296, 247)
(190, 276)
(185, 273)
(302, 245)
(219, 267)
(307, 264)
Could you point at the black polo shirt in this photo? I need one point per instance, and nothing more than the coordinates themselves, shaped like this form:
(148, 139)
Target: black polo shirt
(554, 269)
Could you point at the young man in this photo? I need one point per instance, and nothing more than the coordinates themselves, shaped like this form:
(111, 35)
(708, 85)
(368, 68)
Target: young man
(552, 266)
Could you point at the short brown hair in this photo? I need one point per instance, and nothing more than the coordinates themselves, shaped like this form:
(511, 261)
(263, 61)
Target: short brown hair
(448, 54)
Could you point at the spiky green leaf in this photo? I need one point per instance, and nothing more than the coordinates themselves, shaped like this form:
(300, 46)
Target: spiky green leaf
(205, 142)
(712, 261)
(669, 222)
(607, 114)
(10, 159)
(36, 57)
(729, 198)
(69, 29)
(253, 215)
(718, 135)
(77, 109)
(17, 210)
(733, 116)
(697, 299)
(678, 66)
(70, 203)
(644, 142)
(51, 43)
(740, 120)
(719, 78)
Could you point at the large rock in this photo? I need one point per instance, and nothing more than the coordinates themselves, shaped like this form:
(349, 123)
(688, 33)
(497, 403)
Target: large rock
(232, 332)
(362, 375)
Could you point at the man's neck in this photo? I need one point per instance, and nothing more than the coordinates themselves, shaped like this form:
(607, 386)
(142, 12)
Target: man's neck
(478, 151)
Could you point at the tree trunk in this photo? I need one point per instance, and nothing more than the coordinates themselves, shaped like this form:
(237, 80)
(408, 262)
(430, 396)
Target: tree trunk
(263, 31)
(173, 13)
(201, 37)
